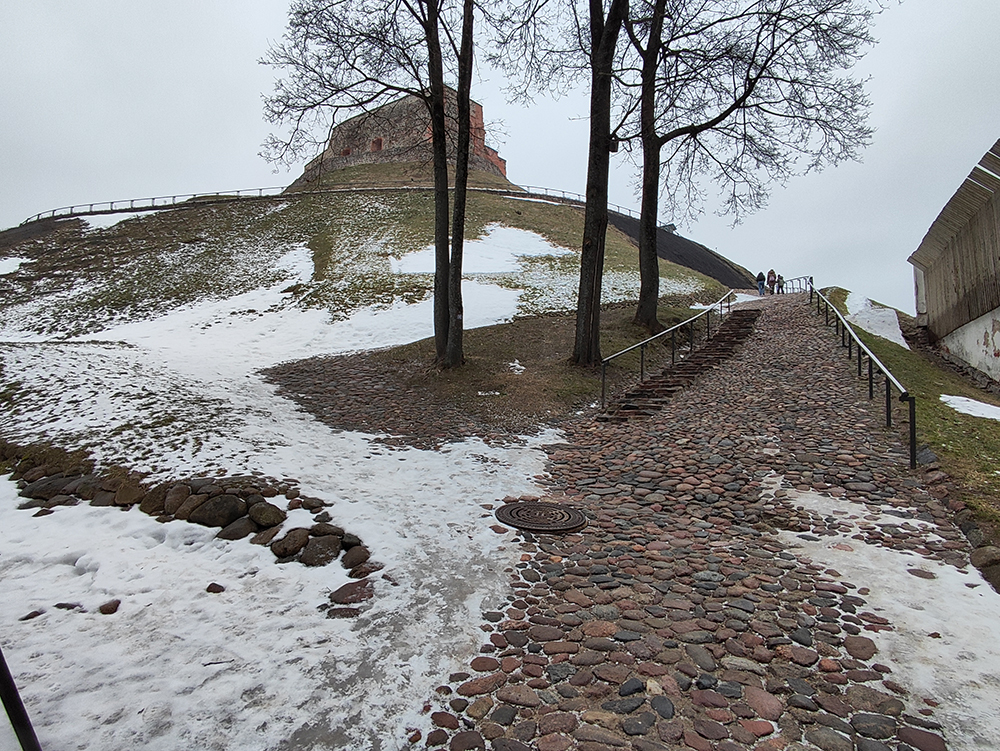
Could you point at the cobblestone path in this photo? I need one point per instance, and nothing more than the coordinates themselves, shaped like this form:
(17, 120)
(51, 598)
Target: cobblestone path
(678, 618)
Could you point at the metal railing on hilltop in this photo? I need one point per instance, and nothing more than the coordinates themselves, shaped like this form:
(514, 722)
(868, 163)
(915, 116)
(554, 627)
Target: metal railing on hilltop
(726, 300)
(566, 195)
(154, 203)
(848, 339)
(189, 200)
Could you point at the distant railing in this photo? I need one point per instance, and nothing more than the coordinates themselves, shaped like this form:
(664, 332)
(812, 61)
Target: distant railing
(848, 338)
(152, 204)
(576, 198)
(727, 300)
(187, 200)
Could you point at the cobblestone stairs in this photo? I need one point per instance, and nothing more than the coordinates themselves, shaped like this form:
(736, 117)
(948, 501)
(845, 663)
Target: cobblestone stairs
(649, 396)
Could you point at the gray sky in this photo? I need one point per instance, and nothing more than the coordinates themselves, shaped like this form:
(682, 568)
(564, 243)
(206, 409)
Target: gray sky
(112, 99)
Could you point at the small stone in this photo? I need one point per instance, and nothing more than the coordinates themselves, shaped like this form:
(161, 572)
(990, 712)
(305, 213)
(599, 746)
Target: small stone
(988, 555)
(319, 551)
(662, 706)
(291, 543)
(215, 588)
(710, 729)
(238, 529)
(219, 511)
(190, 504)
(343, 613)
(764, 704)
(509, 744)
(355, 556)
(521, 696)
(485, 685)
(505, 714)
(266, 514)
(437, 737)
(557, 722)
(860, 647)
(921, 739)
(445, 720)
(485, 664)
(624, 706)
(829, 739)
(639, 724)
(175, 497)
(874, 725)
(631, 686)
(479, 708)
(353, 592)
(110, 607)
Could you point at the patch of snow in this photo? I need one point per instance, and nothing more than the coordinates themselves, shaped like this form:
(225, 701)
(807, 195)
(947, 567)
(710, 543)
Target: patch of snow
(961, 669)
(874, 319)
(498, 252)
(257, 666)
(516, 367)
(104, 221)
(972, 407)
(10, 265)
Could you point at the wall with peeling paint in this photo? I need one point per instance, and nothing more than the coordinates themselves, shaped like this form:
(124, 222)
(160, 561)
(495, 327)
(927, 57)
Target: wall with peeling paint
(978, 343)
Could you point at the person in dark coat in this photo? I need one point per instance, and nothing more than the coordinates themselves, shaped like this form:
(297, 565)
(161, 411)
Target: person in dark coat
(760, 284)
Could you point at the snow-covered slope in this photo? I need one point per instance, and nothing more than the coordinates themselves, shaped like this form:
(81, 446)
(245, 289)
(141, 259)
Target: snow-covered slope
(146, 354)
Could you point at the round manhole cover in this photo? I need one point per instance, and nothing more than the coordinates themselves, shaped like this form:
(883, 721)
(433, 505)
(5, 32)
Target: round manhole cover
(541, 517)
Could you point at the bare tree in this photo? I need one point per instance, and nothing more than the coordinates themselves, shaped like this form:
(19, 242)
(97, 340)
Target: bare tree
(742, 93)
(345, 57)
(548, 44)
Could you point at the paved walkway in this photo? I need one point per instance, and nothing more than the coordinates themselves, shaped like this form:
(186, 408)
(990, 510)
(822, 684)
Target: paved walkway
(678, 618)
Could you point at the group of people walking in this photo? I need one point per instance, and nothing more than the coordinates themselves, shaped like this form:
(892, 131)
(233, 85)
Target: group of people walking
(771, 284)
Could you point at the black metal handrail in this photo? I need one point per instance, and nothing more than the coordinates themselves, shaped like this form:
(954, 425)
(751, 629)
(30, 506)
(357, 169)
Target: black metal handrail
(848, 338)
(15, 709)
(727, 300)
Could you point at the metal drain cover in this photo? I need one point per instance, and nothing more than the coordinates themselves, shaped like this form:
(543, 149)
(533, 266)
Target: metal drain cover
(541, 517)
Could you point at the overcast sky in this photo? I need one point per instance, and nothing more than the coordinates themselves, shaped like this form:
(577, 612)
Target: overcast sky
(110, 99)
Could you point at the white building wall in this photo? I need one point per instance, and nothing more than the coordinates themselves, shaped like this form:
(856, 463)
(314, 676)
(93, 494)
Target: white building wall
(978, 343)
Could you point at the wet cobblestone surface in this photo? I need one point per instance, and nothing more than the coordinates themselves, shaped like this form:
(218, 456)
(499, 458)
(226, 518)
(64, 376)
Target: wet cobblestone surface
(677, 618)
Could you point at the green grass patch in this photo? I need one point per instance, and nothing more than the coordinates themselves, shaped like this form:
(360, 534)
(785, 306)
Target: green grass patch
(968, 447)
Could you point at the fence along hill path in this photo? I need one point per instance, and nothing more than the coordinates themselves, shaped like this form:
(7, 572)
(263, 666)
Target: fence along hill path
(679, 617)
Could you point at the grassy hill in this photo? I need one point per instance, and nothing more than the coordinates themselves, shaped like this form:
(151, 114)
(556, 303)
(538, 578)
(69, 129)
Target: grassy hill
(144, 266)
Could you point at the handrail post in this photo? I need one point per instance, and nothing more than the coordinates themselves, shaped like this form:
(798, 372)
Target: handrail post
(871, 380)
(913, 431)
(642, 363)
(673, 347)
(708, 325)
(604, 378)
(888, 401)
(19, 719)
(859, 362)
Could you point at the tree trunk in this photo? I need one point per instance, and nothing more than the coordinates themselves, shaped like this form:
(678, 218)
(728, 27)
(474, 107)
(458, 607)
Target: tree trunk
(454, 355)
(439, 147)
(649, 264)
(604, 38)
